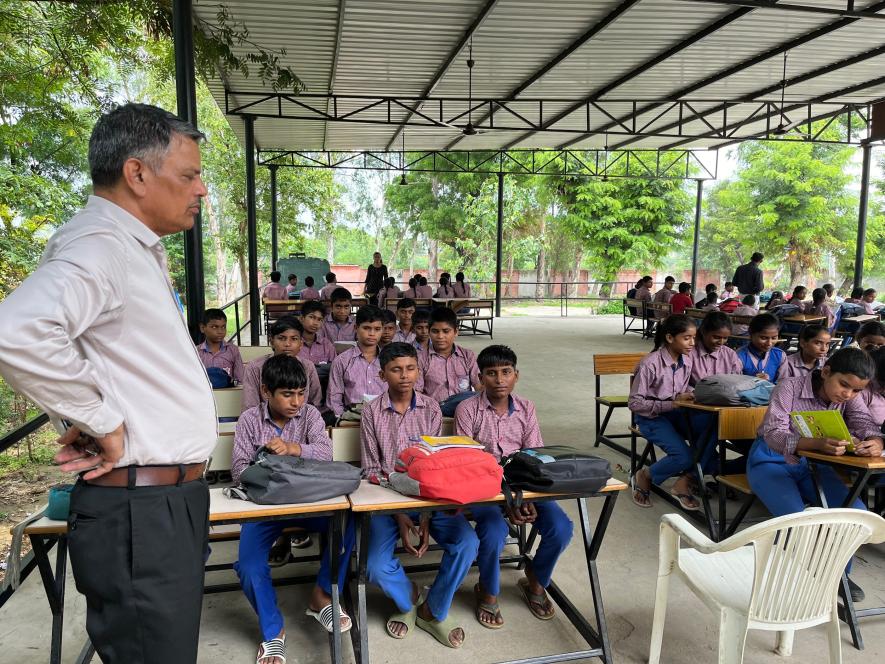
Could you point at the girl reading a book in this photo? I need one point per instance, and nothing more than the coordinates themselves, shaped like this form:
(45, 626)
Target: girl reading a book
(780, 478)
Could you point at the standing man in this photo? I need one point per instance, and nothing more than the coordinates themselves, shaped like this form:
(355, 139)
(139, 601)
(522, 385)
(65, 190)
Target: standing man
(108, 354)
(748, 278)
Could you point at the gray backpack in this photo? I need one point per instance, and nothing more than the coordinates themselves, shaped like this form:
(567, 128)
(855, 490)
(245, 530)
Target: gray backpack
(280, 479)
(732, 390)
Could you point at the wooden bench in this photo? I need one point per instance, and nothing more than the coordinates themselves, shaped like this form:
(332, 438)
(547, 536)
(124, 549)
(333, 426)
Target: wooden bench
(697, 315)
(634, 310)
(656, 312)
(614, 364)
(476, 312)
(276, 309)
(738, 483)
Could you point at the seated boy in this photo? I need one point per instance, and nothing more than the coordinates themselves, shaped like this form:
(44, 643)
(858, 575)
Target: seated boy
(309, 292)
(355, 374)
(274, 290)
(388, 329)
(315, 347)
(405, 310)
(331, 284)
(711, 303)
(283, 424)
(388, 425)
(215, 351)
(447, 369)
(506, 423)
(421, 328)
(292, 285)
(338, 325)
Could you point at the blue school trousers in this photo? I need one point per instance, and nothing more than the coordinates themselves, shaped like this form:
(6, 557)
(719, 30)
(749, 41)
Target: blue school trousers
(451, 531)
(256, 539)
(554, 527)
(667, 431)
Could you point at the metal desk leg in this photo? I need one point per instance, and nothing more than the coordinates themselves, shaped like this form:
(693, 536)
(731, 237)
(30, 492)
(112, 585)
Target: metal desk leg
(698, 447)
(335, 561)
(54, 585)
(361, 626)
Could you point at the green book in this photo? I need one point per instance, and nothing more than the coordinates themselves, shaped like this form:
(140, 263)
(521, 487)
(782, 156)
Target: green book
(821, 424)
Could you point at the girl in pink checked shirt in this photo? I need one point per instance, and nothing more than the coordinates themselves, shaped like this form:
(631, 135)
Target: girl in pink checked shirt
(661, 382)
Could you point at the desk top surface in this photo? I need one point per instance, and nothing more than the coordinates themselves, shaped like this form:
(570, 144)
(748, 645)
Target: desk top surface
(716, 409)
(805, 318)
(863, 318)
(848, 460)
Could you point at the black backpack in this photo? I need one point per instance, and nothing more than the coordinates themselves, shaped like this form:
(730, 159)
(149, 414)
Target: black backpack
(554, 469)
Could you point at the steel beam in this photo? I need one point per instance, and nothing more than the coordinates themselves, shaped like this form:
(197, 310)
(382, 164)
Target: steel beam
(252, 234)
(186, 98)
(697, 234)
(342, 5)
(862, 215)
(794, 7)
(274, 228)
(499, 245)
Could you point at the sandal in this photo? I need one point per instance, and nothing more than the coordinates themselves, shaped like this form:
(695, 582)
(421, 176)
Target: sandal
(684, 501)
(486, 607)
(535, 601)
(645, 493)
(324, 618)
(407, 618)
(441, 630)
(280, 555)
(271, 649)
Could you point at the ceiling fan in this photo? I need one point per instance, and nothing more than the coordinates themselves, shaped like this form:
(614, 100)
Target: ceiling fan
(784, 126)
(469, 129)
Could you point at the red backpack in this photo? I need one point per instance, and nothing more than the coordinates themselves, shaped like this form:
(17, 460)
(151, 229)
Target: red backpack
(452, 475)
(729, 306)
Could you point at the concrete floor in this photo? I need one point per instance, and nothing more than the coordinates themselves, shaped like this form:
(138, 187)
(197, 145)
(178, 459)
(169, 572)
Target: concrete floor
(556, 372)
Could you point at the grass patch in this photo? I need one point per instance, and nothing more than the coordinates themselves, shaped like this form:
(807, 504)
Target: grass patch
(42, 450)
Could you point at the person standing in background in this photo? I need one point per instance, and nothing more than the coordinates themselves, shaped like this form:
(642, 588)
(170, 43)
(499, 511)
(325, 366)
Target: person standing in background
(748, 278)
(376, 274)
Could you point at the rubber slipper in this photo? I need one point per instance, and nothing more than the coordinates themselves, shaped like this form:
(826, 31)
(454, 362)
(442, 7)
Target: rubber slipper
(324, 618)
(440, 630)
(642, 492)
(270, 649)
(533, 601)
(486, 607)
(684, 499)
(407, 618)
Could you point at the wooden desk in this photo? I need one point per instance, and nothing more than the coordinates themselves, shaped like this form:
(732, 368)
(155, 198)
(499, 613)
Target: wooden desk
(804, 318)
(45, 533)
(866, 469)
(863, 318)
(373, 500)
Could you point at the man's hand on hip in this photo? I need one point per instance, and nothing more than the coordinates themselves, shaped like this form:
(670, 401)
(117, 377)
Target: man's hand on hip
(97, 455)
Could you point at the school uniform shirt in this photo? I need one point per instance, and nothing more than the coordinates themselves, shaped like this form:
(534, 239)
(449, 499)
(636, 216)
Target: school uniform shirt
(708, 307)
(321, 351)
(326, 291)
(255, 429)
(409, 292)
(798, 394)
(95, 336)
(404, 337)
(275, 291)
(335, 331)
(310, 293)
(680, 302)
(726, 295)
(515, 430)
(384, 433)
(753, 363)
(227, 358)
(461, 288)
(290, 288)
(252, 383)
(822, 310)
(798, 303)
(705, 363)
(743, 310)
(643, 293)
(445, 292)
(387, 294)
(875, 401)
(664, 295)
(424, 291)
(445, 376)
(793, 366)
(659, 379)
(351, 378)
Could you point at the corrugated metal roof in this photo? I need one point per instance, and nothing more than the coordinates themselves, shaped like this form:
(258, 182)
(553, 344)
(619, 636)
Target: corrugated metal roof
(393, 48)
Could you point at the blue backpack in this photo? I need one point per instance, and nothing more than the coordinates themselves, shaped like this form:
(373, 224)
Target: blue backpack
(218, 378)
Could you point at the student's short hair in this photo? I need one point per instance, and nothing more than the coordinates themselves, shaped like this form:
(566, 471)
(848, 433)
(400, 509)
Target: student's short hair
(405, 303)
(369, 314)
(727, 284)
(340, 294)
(394, 350)
(389, 316)
(275, 276)
(459, 276)
(285, 324)
(762, 322)
(710, 288)
(496, 355)
(421, 316)
(423, 281)
(684, 287)
(282, 372)
(413, 282)
(213, 314)
(818, 295)
(749, 300)
(308, 281)
(312, 305)
(809, 332)
(669, 278)
(869, 291)
(331, 278)
(829, 288)
(878, 357)
(857, 293)
(673, 325)
(852, 361)
(292, 276)
(444, 315)
(872, 328)
(390, 282)
(715, 321)
(712, 297)
(756, 257)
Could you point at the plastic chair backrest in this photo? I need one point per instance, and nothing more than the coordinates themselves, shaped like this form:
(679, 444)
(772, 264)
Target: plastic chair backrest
(800, 559)
(346, 444)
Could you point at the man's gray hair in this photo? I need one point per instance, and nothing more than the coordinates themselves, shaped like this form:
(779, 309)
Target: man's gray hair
(133, 131)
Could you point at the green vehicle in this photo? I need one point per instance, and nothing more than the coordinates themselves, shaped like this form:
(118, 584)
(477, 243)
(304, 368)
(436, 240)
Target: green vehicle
(303, 266)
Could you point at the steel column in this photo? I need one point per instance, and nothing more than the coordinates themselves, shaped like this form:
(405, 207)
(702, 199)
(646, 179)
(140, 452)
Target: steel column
(862, 214)
(499, 245)
(186, 97)
(697, 235)
(252, 234)
(274, 237)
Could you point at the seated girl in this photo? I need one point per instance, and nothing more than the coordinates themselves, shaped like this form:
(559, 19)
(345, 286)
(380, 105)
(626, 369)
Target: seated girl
(781, 479)
(710, 354)
(870, 336)
(760, 357)
(814, 346)
(819, 307)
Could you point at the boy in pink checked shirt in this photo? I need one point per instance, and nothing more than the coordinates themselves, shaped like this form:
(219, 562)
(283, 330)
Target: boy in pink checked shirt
(315, 347)
(339, 324)
(405, 310)
(309, 292)
(355, 374)
(214, 351)
(274, 290)
(283, 424)
(389, 425)
(505, 423)
(448, 369)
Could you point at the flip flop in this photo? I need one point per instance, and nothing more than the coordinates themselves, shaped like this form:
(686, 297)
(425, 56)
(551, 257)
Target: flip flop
(271, 649)
(324, 618)
(634, 488)
(440, 630)
(533, 601)
(684, 499)
(492, 608)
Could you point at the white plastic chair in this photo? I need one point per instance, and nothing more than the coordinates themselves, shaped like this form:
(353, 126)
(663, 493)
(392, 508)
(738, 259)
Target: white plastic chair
(780, 575)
